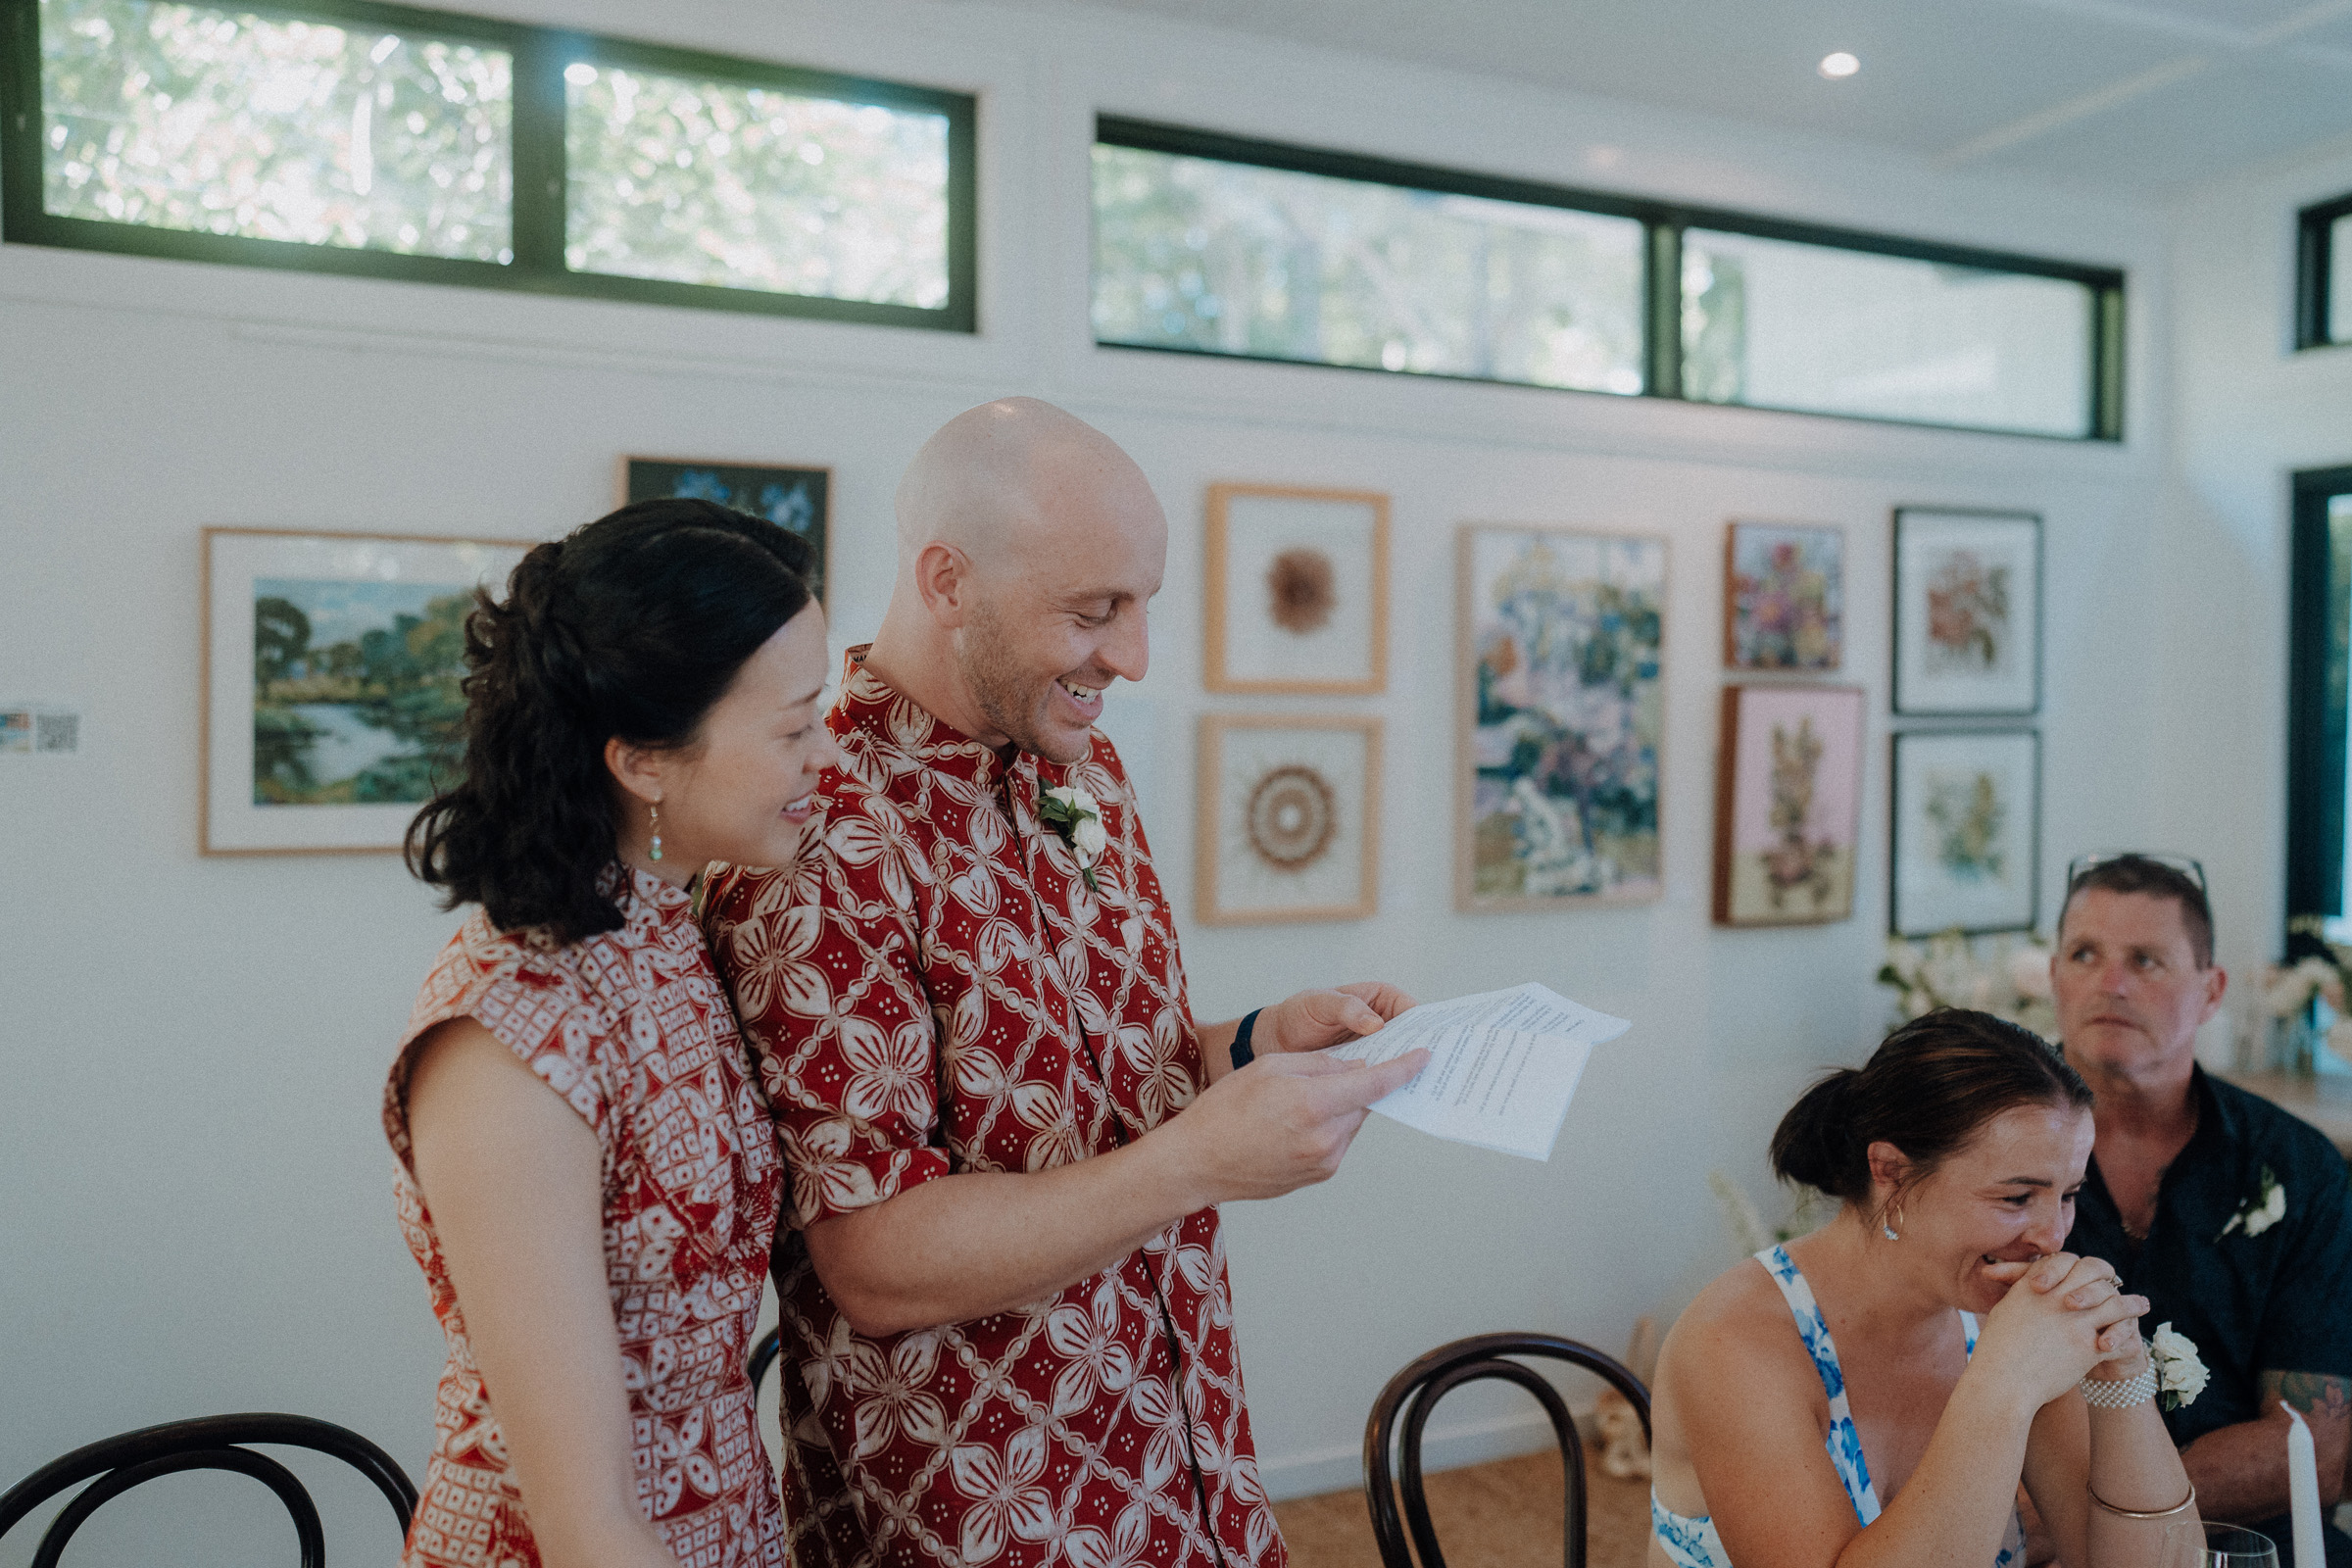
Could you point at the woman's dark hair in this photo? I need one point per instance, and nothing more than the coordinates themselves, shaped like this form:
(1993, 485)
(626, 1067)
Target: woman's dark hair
(631, 626)
(1926, 1090)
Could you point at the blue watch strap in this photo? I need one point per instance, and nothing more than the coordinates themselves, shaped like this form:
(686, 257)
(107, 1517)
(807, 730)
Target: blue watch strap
(1243, 1055)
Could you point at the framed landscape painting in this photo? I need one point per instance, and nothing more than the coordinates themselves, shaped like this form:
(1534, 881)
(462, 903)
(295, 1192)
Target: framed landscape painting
(1783, 596)
(1967, 612)
(1788, 805)
(1297, 590)
(1561, 717)
(1967, 812)
(798, 499)
(331, 663)
(1290, 818)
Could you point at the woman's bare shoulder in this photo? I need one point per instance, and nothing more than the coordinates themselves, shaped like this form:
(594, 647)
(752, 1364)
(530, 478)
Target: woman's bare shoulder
(1741, 1319)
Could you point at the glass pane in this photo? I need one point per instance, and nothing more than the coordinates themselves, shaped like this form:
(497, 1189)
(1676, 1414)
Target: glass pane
(2339, 280)
(1780, 325)
(220, 122)
(1195, 253)
(747, 187)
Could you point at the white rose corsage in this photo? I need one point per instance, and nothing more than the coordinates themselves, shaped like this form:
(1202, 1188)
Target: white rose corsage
(1077, 817)
(2179, 1375)
(2266, 1208)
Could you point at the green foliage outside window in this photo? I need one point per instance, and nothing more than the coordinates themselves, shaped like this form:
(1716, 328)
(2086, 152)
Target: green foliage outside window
(226, 122)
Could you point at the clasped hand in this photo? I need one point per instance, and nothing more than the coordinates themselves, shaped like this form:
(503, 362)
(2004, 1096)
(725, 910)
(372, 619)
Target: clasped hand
(1286, 1120)
(2063, 1315)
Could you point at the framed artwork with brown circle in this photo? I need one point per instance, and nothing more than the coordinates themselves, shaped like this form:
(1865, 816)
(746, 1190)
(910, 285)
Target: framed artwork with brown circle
(1297, 590)
(1290, 818)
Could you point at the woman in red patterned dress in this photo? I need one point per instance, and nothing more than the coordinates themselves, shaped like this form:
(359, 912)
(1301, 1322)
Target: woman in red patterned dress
(586, 1172)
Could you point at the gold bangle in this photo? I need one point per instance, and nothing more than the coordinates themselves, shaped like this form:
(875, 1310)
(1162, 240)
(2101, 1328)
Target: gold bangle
(2134, 1514)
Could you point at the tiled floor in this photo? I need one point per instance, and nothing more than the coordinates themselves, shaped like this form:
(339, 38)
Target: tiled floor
(1500, 1515)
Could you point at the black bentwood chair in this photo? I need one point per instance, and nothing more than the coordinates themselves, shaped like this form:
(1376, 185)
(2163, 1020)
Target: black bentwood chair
(210, 1442)
(763, 1356)
(1415, 1392)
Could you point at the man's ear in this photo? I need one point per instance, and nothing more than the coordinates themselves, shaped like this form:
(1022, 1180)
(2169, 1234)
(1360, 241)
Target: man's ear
(636, 769)
(942, 575)
(2216, 984)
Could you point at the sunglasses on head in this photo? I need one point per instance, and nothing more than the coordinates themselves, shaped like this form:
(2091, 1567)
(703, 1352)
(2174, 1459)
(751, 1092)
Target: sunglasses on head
(2082, 865)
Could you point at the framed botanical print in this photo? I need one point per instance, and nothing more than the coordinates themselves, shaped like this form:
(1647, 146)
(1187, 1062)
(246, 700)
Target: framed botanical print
(1562, 716)
(1967, 612)
(1788, 804)
(1290, 818)
(1297, 594)
(794, 498)
(1783, 596)
(331, 663)
(1967, 850)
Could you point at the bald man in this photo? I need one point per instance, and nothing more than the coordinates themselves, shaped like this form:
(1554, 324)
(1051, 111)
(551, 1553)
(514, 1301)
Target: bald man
(1008, 1334)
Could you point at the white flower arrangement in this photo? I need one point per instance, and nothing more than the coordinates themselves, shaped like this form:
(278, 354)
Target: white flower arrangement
(1077, 817)
(2181, 1375)
(2266, 1208)
(2008, 977)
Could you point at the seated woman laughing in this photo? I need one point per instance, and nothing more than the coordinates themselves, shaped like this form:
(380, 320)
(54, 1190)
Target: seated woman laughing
(1872, 1395)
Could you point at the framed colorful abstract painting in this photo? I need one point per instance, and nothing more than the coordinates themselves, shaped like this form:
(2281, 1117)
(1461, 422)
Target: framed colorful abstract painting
(1561, 717)
(1967, 612)
(1788, 804)
(1783, 596)
(1296, 591)
(798, 499)
(1289, 819)
(332, 666)
(1967, 851)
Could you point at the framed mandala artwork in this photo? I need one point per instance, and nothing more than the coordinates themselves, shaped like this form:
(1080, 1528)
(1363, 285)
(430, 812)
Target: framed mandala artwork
(798, 499)
(1297, 590)
(1967, 853)
(1562, 717)
(1967, 612)
(1788, 805)
(1783, 596)
(331, 664)
(1289, 819)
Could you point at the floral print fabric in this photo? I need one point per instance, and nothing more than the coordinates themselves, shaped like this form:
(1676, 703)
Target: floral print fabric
(631, 1029)
(1693, 1543)
(935, 989)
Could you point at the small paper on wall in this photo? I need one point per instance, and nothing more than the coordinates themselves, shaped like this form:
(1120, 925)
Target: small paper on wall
(29, 728)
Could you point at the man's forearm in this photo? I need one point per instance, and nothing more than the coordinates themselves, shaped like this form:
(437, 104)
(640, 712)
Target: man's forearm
(962, 1246)
(2241, 1470)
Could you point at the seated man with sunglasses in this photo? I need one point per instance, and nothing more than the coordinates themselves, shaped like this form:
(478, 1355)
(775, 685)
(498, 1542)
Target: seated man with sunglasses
(2231, 1215)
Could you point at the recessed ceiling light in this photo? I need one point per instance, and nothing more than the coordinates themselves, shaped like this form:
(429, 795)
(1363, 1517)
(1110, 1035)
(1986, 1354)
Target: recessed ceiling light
(1838, 66)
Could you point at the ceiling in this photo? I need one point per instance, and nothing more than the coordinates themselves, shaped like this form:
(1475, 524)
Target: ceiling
(2129, 94)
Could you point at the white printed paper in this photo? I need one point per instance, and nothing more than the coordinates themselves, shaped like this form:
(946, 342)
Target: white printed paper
(1502, 1065)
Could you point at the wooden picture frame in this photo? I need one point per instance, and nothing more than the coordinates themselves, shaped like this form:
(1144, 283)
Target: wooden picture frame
(1789, 804)
(1783, 596)
(285, 717)
(1288, 827)
(1968, 612)
(1962, 855)
(1519, 772)
(795, 497)
(1295, 594)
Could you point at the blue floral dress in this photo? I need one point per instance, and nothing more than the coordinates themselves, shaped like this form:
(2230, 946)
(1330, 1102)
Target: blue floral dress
(1693, 1543)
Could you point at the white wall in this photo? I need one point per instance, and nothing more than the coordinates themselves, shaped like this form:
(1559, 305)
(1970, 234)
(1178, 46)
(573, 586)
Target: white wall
(2251, 413)
(196, 1208)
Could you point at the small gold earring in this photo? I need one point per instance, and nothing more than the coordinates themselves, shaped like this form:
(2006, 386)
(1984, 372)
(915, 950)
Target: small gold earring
(656, 848)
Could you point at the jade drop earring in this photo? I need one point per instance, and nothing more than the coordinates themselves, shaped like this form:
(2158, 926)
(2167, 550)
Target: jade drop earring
(655, 851)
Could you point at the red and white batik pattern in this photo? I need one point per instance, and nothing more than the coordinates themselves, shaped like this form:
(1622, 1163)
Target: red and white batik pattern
(633, 1029)
(936, 989)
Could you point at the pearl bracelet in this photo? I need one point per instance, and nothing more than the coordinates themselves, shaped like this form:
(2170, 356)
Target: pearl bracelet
(2120, 1393)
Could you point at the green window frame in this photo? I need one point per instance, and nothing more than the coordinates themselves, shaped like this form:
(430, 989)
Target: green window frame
(1663, 282)
(540, 180)
(2315, 269)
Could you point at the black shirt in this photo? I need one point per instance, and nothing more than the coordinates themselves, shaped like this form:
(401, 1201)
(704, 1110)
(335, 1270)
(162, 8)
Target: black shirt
(2279, 1301)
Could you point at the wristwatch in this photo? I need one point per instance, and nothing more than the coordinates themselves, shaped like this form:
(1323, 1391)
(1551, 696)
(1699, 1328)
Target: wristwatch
(1243, 1055)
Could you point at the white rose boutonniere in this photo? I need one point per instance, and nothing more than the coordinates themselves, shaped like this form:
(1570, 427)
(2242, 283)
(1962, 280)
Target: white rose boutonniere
(2179, 1375)
(2266, 1208)
(1077, 817)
